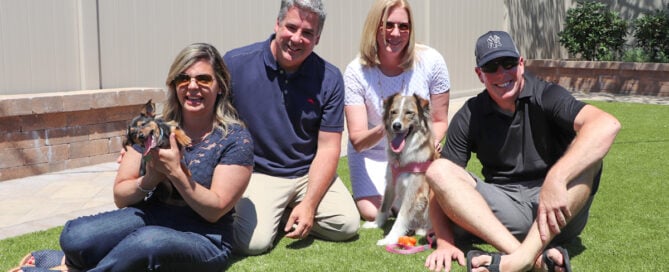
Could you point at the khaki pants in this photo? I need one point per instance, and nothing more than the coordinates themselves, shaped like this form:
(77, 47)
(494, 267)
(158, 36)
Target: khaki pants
(268, 200)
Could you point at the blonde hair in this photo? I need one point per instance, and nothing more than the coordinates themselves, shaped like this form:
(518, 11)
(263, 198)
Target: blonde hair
(225, 114)
(377, 17)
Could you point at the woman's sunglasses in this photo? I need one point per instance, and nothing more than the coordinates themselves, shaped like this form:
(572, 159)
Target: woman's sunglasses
(403, 27)
(184, 79)
(507, 63)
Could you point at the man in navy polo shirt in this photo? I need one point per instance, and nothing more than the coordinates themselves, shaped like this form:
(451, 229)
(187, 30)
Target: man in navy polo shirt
(292, 102)
(541, 152)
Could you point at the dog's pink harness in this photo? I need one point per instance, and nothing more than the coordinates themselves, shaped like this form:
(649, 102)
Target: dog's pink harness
(414, 167)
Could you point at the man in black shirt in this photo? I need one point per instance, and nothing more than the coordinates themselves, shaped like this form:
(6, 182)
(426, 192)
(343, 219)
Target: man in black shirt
(541, 151)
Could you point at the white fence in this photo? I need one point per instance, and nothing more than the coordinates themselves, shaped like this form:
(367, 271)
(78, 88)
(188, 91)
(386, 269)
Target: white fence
(64, 45)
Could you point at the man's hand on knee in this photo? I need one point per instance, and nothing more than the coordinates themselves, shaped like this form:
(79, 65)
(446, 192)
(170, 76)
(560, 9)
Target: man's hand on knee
(553, 212)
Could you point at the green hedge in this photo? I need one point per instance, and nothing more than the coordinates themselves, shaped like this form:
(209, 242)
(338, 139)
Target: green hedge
(593, 32)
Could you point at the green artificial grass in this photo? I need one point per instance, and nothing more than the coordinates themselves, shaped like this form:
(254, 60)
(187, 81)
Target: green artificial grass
(13, 249)
(627, 230)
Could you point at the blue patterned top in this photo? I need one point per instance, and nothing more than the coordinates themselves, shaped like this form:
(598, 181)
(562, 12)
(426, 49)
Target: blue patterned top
(202, 158)
(235, 148)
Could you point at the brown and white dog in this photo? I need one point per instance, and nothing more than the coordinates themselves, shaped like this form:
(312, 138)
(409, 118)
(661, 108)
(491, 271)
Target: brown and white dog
(150, 132)
(410, 151)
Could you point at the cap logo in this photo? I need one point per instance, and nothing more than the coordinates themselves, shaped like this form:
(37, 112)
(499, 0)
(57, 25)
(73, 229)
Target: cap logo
(494, 41)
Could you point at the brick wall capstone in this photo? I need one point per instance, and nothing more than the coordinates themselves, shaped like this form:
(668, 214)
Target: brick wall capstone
(48, 132)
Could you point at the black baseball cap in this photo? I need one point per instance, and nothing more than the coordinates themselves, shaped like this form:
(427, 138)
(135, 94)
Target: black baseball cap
(494, 44)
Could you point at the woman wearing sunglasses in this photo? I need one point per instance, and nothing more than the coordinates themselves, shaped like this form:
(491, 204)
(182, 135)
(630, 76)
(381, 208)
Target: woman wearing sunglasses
(389, 62)
(194, 233)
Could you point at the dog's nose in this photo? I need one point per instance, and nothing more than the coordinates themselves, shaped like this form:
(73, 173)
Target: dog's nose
(397, 126)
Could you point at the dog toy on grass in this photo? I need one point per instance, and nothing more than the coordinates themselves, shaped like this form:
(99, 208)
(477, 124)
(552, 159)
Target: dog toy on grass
(407, 245)
(407, 241)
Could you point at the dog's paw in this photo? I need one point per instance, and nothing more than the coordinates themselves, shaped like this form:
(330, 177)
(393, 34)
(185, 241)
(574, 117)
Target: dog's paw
(387, 241)
(370, 225)
(381, 219)
(421, 232)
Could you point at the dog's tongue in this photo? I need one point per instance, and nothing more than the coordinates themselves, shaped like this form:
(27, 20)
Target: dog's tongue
(397, 144)
(148, 144)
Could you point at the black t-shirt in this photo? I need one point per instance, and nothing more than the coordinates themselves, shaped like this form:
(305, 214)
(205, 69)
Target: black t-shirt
(514, 147)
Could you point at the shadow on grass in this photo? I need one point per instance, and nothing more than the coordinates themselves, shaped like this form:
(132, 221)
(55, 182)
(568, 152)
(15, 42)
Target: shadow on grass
(575, 247)
(294, 244)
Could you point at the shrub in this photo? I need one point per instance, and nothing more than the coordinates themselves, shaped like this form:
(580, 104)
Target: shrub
(593, 31)
(635, 55)
(652, 34)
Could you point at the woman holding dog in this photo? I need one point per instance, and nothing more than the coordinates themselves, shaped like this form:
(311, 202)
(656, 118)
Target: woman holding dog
(193, 231)
(389, 62)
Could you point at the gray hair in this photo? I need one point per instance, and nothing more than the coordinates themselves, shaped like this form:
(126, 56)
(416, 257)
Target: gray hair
(315, 6)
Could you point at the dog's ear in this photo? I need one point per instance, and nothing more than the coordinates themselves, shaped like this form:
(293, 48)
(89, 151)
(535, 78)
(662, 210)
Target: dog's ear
(423, 106)
(387, 103)
(149, 109)
(422, 103)
(425, 103)
(389, 100)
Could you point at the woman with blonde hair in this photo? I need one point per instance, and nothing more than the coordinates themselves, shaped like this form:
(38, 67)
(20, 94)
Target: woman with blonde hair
(389, 62)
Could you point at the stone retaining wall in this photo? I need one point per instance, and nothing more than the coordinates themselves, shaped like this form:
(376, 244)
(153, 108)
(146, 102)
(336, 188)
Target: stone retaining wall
(623, 78)
(50, 132)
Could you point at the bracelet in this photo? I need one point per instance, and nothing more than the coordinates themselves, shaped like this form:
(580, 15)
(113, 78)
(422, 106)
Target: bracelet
(150, 191)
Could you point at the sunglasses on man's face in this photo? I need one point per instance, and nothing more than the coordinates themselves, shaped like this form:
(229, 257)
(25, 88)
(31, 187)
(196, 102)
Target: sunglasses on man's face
(506, 63)
(403, 27)
(183, 80)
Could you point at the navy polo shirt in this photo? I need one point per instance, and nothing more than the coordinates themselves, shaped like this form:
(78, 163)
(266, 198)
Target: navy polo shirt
(284, 112)
(514, 147)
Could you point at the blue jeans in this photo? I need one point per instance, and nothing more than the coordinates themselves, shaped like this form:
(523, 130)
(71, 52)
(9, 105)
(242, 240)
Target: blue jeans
(147, 237)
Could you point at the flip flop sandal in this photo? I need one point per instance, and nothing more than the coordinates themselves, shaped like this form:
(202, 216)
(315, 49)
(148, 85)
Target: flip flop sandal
(42, 269)
(494, 263)
(42, 259)
(551, 264)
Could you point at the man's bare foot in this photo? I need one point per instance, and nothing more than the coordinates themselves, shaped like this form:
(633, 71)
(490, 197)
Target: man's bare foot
(553, 259)
(480, 261)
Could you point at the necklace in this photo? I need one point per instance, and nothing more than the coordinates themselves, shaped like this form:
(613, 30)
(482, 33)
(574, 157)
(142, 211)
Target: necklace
(388, 92)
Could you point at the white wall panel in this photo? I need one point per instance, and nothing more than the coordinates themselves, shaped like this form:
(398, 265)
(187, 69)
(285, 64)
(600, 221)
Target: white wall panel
(62, 45)
(38, 46)
(139, 39)
(454, 28)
